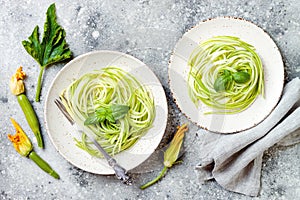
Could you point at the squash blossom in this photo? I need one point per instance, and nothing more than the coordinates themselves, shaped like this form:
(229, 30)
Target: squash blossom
(20, 140)
(16, 83)
(171, 154)
(23, 146)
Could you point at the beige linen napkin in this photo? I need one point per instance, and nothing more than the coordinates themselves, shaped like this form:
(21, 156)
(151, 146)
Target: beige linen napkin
(235, 160)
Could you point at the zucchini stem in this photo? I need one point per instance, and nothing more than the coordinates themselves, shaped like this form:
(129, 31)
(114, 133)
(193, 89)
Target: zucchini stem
(43, 164)
(162, 173)
(39, 84)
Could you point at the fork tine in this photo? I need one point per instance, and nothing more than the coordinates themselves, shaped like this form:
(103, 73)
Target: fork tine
(62, 108)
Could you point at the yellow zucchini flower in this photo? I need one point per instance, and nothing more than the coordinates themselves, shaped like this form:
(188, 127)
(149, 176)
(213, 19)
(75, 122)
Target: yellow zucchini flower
(16, 83)
(171, 154)
(20, 140)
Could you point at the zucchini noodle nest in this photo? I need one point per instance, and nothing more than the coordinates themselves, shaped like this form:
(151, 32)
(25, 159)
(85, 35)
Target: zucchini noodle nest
(217, 57)
(110, 85)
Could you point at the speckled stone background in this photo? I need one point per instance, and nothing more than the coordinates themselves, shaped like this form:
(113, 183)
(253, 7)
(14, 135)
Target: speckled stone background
(149, 31)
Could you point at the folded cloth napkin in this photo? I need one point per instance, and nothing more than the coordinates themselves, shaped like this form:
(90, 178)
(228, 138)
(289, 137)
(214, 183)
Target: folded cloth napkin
(235, 160)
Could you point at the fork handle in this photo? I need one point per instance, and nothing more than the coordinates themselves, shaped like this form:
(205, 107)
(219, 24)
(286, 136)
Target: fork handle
(119, 171)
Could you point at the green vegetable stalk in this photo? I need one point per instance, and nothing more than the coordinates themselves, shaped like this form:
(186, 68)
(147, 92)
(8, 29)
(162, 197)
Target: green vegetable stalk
(171, 154)
(24, 147)
(52, 49)
(43, 164)
(17, 88)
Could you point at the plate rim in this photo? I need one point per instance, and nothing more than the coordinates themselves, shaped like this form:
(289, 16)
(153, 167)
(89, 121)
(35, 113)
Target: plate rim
(173, 55)
(163, 97)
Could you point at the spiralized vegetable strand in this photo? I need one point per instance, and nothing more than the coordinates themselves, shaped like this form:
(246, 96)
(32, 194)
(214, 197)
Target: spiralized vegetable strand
(211, 58)
(110, 85)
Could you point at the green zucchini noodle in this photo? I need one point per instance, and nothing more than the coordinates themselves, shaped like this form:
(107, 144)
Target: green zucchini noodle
(209, 60)
(110, 85)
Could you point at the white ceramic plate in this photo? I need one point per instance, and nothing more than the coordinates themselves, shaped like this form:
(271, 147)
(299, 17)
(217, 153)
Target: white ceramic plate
(60, 130)
(273, 73)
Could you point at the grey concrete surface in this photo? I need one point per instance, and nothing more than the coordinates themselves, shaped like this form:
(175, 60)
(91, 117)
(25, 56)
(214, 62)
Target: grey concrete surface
(149, 31)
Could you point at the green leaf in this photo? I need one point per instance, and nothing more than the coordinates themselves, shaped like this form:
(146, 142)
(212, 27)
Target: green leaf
(241, 77)
(101, 111)
(54, 43)
(91, 120)
(222, 83)
(52, 49)
(109, 117)
(227, 72)
(33, 46)
(119, 111)
(111, 114)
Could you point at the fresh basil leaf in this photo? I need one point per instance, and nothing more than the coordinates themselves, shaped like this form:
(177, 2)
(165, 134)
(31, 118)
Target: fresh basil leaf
(222, 83)
(227, 72)
(111, 114)
(109, 117)
(241, 77)
(93, 119)
(101, 111)
(119, 111)
(101, 118)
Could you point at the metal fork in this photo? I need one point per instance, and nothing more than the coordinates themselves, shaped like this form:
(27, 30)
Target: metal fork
(120, 172)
